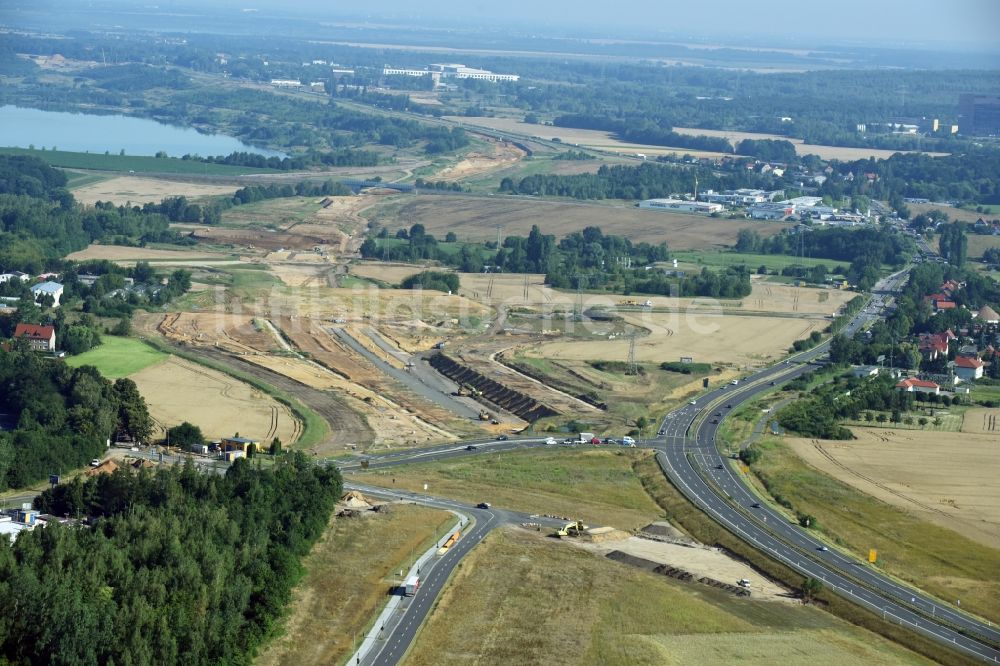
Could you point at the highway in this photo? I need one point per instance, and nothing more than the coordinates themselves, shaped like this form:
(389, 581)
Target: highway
(689, 456)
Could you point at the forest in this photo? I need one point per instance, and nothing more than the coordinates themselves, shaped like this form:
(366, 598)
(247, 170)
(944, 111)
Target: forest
(40, 222)
(587, 260)
(172, 566)
(866, 249)
(66, 415)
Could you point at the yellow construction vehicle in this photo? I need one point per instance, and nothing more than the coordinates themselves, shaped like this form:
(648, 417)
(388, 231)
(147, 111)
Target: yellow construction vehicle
(574, 528)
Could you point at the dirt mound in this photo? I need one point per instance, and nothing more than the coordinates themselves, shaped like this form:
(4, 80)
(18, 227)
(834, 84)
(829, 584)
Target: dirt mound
(355, 500)
(601, 534)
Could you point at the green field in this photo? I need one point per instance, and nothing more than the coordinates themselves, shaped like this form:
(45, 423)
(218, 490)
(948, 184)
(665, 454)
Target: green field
(551, 603)
(752, 261)
(118, 357)
(128, 163)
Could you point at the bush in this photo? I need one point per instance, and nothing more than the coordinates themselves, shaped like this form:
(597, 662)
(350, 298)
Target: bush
(185, 435)
(436, 280)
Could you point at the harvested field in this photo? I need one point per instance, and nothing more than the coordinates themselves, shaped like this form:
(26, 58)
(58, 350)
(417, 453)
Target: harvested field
(386, 272)
(945, 478)
(476, 219)
(299, 275)
(981, 420)
(979, 244)
(123, 253)
(707, 338)
(348, 574)
(135, 190)
(178, 391)
(911, 544)
(550, 604)
(954, 214)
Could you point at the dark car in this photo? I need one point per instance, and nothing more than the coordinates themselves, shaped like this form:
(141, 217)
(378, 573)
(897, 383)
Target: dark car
(483, 505)
(729, 405)
(502, 438)
(756, 505)
(663, 431)
(471, 447)
(772, 383)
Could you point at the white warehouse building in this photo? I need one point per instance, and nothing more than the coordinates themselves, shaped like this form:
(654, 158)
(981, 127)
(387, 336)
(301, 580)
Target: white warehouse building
(682, 206)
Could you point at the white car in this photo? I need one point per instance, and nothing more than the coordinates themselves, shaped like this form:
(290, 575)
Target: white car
(550, 441)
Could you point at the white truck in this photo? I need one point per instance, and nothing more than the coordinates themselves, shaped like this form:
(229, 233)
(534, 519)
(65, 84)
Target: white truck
(412, 583)
(587, 437)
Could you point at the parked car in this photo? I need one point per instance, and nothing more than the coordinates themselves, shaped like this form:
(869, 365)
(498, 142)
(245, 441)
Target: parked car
(95, 462)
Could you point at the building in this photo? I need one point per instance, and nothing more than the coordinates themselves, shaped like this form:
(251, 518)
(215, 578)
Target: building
(918, 386)
(932, 345)
(43, 289)
(286, 83)
(236, 444)
(865, 371)
(979, 114)
(968, 368)
(439, 71)
(682, 206)
(14, 275)
(771, 211)
(41, 338)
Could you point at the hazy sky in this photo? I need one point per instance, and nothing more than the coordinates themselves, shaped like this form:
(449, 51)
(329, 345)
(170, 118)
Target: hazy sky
(912, 22)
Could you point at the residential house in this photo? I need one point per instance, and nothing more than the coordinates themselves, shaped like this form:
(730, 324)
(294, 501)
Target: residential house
(932, 345)
(939, 302)
(53, 289)
(913, 385)
(865, 371)
(968, 368)
(41, 338)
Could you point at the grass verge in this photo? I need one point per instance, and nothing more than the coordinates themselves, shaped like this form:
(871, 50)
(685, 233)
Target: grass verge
(118, 357)
(315, 429)
(550, 603)
(597, 486)
(348, 575)
(685, 515)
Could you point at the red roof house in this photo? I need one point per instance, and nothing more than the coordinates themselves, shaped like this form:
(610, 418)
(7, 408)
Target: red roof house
(918, 386)
(968, 367)
(41, 338)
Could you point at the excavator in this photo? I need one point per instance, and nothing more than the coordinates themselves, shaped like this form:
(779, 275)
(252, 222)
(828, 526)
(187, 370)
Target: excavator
(574, 528)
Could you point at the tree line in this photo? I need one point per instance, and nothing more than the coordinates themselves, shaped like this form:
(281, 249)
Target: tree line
(64, 415)
(173, 566)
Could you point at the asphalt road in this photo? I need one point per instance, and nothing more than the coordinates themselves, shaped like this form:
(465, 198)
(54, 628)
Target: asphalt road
(400, 635)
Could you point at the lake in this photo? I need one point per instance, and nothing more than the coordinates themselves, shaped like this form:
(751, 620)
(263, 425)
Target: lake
(86, 133)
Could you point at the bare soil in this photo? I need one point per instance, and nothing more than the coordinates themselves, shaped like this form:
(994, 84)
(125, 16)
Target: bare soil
(702, 561)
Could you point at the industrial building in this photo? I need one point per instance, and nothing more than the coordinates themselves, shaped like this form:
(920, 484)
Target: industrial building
(439, 71)
(979, 114)
(741, 197)
(682, 206)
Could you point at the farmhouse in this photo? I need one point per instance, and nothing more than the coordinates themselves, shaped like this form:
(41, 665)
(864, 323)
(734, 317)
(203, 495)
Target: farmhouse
(41, 338)
(680, 205)
(43, 289)
(918, 386)
(968, 368)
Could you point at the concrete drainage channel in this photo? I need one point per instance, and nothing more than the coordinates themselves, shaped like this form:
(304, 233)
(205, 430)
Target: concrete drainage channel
(393, 612)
